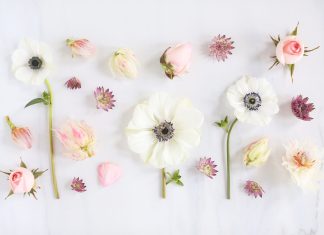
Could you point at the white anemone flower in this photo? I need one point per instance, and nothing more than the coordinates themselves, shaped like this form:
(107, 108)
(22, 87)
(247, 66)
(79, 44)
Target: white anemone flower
(303, 161)
(32, 62)
(253, 99)
(163, 129)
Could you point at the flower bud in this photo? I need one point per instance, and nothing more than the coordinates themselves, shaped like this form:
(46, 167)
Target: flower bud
(124, 63)
(81, 47)
(21, 180)
(20, 135)
(176, 60)
(257, 153)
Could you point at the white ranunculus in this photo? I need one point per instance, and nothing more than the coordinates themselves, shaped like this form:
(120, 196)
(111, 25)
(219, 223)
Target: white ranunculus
(303, 161)
(253, 99)
(32, 62)
(163, 129)
(124, 63)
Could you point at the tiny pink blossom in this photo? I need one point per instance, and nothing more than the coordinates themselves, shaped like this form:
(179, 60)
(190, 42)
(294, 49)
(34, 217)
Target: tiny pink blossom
(73, 83)
(301, 108)
(253, 188)
(20, 135)
(78, 185)
(78, 139)
(221, 47)
(207, 167)
(81, 47)
(105, 98)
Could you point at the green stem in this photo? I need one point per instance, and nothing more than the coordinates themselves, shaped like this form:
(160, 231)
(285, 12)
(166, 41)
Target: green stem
(163, 183)
(50, 127)
(10, 124)
(228, 160)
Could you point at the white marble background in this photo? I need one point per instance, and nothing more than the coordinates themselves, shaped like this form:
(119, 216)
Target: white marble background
(133, 205)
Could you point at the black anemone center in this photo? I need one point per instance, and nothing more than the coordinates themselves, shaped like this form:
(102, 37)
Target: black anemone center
(35, 62)
(164, 131)
(252, 101)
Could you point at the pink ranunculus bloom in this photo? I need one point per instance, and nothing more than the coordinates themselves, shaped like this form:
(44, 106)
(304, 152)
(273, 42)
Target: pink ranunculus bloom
(78, 139)
(108, 173)
(81, 47)
(289, 50)
(176, 60)
(21, 180)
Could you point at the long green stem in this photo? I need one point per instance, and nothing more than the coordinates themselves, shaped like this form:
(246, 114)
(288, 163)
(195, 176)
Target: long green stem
(50, 127)
(163, 183)
(228, 160)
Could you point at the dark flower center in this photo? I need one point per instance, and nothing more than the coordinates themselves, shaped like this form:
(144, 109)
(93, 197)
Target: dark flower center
(164, 131)
(252, 101)
(35, 62)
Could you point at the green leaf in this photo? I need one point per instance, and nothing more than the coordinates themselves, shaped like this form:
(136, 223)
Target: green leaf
(295, 31)
(275, 63)
(310, 50)
(179, 183)
(223, 123)
(10, 193)
(291, 69)
(7, 173)
(37, 173)
(275, 41)
(22, 164)
(36, 101)
(174, 178)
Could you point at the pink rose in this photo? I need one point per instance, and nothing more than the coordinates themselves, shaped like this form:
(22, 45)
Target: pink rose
(176, 60)
(108, 173)
(289, 50)
(21, 180)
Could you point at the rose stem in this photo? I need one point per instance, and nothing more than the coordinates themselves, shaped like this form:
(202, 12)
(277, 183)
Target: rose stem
(50, 127)
(163, 183)
(228, 162)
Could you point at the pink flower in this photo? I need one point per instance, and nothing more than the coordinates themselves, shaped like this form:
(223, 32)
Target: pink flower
(207, 167)
(176, 60)
(105, 98)
(20, 135)
(21, 180)
(73, 83)
(221, 47)
(78, 139)
(253, 188)
(81, 47)
(289, 50)
(78, 185)
(108, 173)
(301, 108)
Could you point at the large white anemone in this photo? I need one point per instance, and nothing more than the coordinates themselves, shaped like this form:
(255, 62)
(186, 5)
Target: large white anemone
(163, 130)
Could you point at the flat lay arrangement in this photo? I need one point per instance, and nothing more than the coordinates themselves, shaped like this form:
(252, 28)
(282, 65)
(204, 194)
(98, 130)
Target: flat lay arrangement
(175, 128)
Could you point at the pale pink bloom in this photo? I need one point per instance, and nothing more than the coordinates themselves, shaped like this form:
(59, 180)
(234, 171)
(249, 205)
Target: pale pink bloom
(20, 135)
(289, 50)
(21, 180)
(81, 47)
(253, 188)
(176, 60)
(78, 139)
(108, 173)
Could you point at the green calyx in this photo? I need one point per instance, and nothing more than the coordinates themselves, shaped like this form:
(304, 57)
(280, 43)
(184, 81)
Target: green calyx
(45, 99)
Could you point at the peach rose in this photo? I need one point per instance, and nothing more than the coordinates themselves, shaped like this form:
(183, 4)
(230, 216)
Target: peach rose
(21, 180)
(289, 50)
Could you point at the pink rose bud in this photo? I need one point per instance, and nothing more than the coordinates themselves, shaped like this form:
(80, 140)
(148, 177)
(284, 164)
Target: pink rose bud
(289, 50)
(108, 173)
(81, 47)
(176, 60)
(20, 135)
(78, 139)
(21, 180)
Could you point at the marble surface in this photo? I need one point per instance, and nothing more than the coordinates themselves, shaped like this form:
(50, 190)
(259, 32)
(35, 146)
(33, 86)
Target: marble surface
(133, 205)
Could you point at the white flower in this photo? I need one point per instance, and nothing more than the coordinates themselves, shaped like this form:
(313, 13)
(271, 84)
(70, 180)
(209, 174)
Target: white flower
(32, 62)
(257, 153)
(253, 99)
(164, 129)
(124, 63)
(303, 160)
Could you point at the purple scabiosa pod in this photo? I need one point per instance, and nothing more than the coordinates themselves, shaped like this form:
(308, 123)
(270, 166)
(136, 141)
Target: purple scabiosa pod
(253, 188)
(78, 185)
(105, 98)
(301, 108)
(207, 167)
(220, 47)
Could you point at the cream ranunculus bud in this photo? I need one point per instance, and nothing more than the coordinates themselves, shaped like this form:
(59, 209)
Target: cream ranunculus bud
(257, 153)
(124, 63)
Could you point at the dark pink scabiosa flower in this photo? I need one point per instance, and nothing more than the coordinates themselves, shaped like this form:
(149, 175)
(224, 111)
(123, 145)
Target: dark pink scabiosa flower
(301, 108)
(78, 185)
(220, 47)
(253, 188)
(105, 98)
(207, 167)
(73, 83)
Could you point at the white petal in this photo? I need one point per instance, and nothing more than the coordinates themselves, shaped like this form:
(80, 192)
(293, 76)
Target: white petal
(187, 118)
(24, 74)
(20, 58)
(162, 107)
(141, 142)
(40, 76)
(142, 119)
(188, 138)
